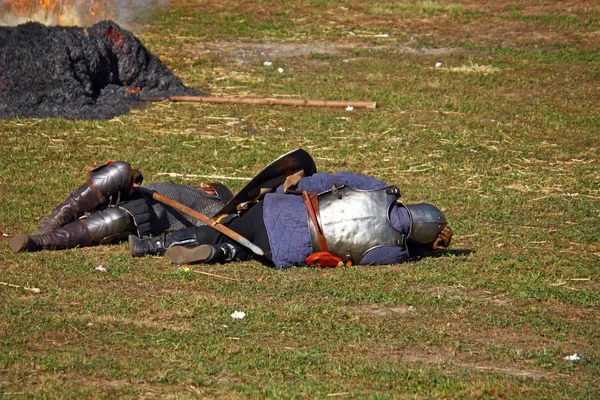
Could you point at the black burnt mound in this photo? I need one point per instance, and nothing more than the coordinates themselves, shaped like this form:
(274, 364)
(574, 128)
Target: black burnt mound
(78, 73)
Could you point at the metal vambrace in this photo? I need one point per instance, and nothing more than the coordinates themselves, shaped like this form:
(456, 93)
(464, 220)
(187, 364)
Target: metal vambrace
(112, 178)
(108, 225)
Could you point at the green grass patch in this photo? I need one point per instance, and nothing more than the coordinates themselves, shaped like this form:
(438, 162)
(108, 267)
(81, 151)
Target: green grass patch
(503, 136)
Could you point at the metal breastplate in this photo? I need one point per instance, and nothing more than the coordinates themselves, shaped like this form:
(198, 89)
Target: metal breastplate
(356, 221)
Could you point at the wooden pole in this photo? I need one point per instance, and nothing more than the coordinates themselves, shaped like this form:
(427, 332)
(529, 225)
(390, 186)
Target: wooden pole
(213, 224)
(271, 102)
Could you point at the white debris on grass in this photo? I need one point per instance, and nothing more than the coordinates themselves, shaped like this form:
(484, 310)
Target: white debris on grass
(574, 357)
(349, 108)
(280, 70)
(32, 289)
(100, 268)
(438, 64)
(238, 315)
(376, 35)
(267, 63)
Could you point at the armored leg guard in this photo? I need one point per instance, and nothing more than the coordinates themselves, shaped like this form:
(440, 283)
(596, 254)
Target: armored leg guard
(104, 182)
(71, 235)
(160, 244)
(208, 253)
(110, 225)
(99, 227)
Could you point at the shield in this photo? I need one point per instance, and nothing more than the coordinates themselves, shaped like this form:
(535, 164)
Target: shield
(270, 178)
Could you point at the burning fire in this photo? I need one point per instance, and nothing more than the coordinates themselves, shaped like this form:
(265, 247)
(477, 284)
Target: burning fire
(55, 12)
(74, 12)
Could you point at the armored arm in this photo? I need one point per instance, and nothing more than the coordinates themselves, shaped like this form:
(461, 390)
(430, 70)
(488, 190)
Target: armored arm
(384, 255)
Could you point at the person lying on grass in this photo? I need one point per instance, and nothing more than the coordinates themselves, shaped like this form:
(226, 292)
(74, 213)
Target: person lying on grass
(323, 219)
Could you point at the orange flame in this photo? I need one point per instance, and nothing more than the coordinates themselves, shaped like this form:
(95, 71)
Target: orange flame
(55, 12)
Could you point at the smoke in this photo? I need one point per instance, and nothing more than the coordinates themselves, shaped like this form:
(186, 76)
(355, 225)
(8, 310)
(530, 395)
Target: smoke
(77, 12)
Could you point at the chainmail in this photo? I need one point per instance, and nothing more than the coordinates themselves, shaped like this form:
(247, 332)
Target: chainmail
(165, 218)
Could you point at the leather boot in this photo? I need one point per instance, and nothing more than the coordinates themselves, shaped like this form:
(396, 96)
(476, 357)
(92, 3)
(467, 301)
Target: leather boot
(208, 253)
(158, 245)
(71, 235)
(84, 199)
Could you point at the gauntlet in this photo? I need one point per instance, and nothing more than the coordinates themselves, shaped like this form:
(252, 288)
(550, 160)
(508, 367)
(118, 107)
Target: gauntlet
(443, 238)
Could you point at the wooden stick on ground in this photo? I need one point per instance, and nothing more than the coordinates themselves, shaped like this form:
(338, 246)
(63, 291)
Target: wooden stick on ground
(217, 276)
(272, 101)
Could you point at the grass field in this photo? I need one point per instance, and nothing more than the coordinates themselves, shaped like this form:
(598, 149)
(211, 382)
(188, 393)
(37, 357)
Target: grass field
(489, 109)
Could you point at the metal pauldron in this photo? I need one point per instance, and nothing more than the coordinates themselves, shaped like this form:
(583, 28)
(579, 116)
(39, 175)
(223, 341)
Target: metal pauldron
(356, 221)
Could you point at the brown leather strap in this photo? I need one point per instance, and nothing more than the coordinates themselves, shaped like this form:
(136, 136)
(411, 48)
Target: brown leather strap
(312, 205)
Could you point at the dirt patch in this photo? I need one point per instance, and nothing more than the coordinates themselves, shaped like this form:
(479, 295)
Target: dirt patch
(395, 311)
(165, 321)
(456, 361)
(510, 24)
(252, 52)
(473, 295)
(114, 388)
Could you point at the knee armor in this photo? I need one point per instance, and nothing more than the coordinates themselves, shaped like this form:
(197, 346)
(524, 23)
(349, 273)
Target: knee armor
(113, 178)
(110, 224)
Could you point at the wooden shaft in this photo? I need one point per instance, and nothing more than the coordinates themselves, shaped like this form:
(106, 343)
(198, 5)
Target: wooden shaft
(270, 102)
(213, 224)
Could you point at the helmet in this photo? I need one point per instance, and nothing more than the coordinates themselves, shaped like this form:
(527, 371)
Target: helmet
(426, 222)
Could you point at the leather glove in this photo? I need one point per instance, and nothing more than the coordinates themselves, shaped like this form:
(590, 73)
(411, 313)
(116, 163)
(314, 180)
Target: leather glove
(443, 238)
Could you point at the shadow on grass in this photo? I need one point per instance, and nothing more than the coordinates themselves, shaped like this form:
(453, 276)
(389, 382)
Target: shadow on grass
(440, 253)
